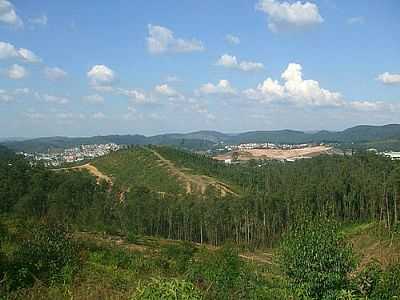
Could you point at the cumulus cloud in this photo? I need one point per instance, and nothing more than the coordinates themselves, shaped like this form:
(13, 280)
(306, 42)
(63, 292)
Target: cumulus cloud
(101, 77)
(93, 99)
(8, 15)
(16, 72)
(295, 90)
(166, 90)
(229, 61)
(40, 20)
(135, 96)
(388, 78)
(368, 105)
(9, 51)
(28, 56)
(161, 40)
(55, 73)
(223, 87)
(232, 39)
(285, 15)
(5, 97)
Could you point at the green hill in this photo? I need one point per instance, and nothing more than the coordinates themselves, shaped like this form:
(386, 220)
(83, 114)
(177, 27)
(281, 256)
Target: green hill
(150, 167)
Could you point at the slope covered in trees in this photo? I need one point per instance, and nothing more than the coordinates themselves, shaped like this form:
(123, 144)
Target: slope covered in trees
(275, 200)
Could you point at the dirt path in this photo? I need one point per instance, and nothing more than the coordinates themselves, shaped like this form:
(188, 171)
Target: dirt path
(92, 170)
(150, 244)
(194, 183)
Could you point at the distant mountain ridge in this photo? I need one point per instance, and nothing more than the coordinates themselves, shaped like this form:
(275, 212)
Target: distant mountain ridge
(206, 139)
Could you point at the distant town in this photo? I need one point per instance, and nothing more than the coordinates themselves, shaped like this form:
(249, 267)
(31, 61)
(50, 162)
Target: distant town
(72, 155)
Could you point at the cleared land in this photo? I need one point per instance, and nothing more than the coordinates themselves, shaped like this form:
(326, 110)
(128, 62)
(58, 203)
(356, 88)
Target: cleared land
(278, 154)
(92, 170)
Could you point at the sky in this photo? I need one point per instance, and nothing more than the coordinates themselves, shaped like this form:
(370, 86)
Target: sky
(83, 68)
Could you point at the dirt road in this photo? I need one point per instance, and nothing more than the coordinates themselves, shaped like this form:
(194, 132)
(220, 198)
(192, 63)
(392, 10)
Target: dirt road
(92, 170)
(194, 183)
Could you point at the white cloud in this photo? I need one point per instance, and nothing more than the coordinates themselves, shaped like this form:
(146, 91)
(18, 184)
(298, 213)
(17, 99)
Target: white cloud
(9, 51)
(54, 99)
(223, 87)
(356, 20)
(229, 61)
(166, 90)
(16, 72)
(28, 56)
(368, 105)
(94, 99)
(8, 15)
(285, 15)
(22, 91)
(5, 97)
(70, 116)
(295, 90)
(101, 76)
(40, 20)
(232, 39)
(55, 73)
(388, 78)
(134, 95)
(98, 116)
(162, 40)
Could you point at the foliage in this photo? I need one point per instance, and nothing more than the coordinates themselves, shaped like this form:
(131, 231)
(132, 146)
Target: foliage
(218, 273)
(167, 289)
(177, 257)
(45, 253)
(316, 257)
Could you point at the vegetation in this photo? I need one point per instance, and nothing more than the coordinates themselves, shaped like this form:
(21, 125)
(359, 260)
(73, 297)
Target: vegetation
(113, 247)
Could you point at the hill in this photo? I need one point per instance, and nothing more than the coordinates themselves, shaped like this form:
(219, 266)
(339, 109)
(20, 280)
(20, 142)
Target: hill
(364, 136)
(150, 167)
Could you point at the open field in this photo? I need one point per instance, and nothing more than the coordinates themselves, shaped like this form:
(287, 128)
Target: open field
(278, 154)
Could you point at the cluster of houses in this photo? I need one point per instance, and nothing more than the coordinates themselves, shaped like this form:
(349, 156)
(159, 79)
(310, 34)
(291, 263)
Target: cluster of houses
(72, 155)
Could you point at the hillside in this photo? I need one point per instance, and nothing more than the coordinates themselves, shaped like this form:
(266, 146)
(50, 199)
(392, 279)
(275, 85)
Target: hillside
(363, 136)
(146, 167)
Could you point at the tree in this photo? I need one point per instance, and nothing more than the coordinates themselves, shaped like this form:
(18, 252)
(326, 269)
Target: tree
(316, 258)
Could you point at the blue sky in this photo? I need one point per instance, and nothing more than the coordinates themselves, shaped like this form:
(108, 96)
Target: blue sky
(81, 68)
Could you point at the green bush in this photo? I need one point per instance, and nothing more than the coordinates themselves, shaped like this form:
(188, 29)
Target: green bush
(47, 254)
(387, 285)
(167, 289)
(177, 257)
(217, 272)
(316, 258)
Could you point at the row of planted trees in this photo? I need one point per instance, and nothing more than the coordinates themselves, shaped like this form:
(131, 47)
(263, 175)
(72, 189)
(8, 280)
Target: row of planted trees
(348, 189)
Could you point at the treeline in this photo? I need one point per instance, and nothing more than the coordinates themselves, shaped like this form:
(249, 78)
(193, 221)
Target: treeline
(71, 198)
(364, 187)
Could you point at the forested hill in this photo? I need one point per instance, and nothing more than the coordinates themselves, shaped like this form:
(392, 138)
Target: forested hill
(381, 137)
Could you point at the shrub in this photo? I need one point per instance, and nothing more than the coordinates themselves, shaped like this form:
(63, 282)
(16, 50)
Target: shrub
(177, 257)
(167, 289)
(316, 258)
(46, 254)
(217, 272)
(388, 285)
